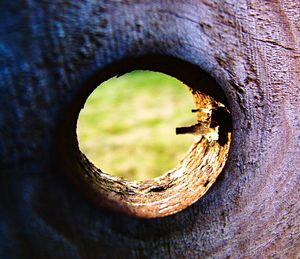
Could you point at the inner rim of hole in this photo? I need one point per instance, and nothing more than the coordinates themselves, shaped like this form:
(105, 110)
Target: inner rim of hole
(174, 190)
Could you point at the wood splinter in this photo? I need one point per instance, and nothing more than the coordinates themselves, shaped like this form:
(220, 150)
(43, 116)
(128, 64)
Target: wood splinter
(201, 129)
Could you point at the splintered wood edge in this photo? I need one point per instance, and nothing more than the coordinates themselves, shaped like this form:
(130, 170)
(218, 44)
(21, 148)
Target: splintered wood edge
(170, 193)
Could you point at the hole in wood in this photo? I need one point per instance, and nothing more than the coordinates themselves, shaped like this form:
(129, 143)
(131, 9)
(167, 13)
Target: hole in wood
(134, 117)
(177, 188)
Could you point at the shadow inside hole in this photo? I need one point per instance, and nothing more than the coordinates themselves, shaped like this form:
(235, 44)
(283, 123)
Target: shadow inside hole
(222, 118)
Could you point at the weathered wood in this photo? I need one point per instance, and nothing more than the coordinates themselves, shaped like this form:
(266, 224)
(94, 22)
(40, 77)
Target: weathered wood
(49, 50)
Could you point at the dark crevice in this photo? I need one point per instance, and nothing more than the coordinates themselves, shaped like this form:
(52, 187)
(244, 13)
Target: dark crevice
(206, 183)
(157, 189)
(222, 118)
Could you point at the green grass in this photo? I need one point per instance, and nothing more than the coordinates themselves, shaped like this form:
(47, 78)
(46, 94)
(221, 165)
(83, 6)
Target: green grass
(127, 127)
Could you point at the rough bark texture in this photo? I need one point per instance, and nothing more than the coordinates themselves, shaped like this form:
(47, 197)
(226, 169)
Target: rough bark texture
(49, 49)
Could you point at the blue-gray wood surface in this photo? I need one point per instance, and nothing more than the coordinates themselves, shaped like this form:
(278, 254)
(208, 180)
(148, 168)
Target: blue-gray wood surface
(48, 49)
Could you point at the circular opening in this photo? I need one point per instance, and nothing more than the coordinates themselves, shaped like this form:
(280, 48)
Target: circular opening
(175, 189)
(133, 118)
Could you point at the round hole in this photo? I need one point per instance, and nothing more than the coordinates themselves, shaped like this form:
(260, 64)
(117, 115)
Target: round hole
(177, 188)
(134, 117)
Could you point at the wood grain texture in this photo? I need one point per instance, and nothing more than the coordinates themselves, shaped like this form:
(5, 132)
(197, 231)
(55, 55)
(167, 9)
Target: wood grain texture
(48, 50)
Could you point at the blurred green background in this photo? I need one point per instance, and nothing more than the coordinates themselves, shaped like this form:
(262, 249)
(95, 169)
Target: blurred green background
(127, 126)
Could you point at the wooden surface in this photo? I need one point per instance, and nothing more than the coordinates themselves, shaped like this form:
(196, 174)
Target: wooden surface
(49, 50)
